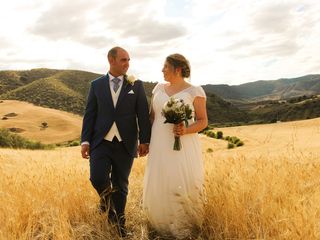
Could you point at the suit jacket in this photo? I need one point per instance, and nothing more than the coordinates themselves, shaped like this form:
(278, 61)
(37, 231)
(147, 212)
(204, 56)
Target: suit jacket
(131, 114)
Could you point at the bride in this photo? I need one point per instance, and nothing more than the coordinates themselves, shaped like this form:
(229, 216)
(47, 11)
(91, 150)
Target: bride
(173, 183)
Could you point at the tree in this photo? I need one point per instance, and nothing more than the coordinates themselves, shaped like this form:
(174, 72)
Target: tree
(44, 125)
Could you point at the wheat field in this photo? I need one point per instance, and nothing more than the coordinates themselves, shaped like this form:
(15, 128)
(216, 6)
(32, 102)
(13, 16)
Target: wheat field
(267, 189)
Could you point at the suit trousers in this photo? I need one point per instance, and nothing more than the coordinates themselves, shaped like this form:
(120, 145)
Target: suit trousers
(110, 166)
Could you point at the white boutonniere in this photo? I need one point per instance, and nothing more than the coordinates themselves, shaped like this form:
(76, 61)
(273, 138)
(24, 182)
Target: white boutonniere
(131, 79)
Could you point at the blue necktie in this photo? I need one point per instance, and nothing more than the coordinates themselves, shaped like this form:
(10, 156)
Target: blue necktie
(116, 84)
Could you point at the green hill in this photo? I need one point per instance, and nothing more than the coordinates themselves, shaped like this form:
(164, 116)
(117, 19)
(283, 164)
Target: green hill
(67, 90)
(49, 92)
(223, 112)
(60, 89)
(303, 107)
(10, 80)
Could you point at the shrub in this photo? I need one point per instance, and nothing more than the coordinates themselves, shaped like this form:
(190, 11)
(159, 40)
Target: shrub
(230, 145)
(16, 130)
(211, 134)
(11, 140)
(234, 140)
(209, 127)
(219, 135)
(205, 132)
(11, 115)
(74, 143)
(239, 144)
(209, 150)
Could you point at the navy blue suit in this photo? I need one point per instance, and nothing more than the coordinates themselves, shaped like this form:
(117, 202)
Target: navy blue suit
(111, 162)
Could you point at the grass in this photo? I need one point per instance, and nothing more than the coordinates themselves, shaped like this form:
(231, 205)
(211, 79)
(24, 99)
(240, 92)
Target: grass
(251, 192)
(260, 198)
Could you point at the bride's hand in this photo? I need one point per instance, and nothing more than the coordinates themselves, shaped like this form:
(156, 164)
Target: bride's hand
(179, 129)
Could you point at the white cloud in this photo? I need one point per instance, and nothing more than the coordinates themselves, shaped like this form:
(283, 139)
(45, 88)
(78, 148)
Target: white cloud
(228, 41)
(149, 30)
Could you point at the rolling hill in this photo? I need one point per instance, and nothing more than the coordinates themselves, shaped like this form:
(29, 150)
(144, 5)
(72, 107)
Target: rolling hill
(26, 119)
(255, 102)
(60, 89)
(303, 107)
(276, 100)
(67, 90)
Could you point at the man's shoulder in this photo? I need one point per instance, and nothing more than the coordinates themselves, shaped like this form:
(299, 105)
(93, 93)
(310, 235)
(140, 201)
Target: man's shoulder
(137, 84)
(138, 81)
(99, 79)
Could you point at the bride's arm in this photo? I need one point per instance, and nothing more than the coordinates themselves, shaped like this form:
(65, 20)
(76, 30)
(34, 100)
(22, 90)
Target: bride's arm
(199, 105)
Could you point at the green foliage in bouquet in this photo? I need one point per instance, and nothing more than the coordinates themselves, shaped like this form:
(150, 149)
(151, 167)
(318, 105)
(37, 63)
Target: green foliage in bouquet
(176, 111)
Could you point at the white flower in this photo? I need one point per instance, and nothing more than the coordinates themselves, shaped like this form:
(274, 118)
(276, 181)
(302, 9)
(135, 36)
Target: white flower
(176, 111)
(179, 103)
(131, 79)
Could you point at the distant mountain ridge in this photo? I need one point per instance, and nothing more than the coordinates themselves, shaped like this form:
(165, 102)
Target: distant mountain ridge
(255, 102)
(268, 89)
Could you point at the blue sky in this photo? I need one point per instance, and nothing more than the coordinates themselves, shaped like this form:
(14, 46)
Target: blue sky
(227, 42)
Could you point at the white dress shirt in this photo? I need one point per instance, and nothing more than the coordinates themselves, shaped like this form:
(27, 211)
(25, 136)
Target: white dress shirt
(115, 95)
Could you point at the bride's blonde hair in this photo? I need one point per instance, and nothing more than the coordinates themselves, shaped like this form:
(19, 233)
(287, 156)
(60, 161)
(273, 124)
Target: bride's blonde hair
(179, 61)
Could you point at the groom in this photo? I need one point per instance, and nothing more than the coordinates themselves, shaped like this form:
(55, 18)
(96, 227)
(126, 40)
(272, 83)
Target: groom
(116, 116)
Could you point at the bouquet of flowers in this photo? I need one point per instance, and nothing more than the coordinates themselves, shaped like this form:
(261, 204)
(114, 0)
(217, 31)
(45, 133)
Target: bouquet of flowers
(176, 111)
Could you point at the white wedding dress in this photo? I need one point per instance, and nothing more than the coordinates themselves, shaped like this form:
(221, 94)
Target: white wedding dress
(173, 183)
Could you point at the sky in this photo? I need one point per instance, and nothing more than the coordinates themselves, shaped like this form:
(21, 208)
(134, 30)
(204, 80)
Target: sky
(227, 42)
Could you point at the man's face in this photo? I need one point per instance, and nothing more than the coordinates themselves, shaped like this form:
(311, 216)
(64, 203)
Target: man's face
(120, 64)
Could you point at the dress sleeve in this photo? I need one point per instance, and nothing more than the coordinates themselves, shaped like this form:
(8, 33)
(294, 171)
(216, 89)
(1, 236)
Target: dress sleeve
(156, 88)
(198, 91)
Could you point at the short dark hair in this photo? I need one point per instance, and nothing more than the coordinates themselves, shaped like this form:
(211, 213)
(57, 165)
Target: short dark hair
(113, 52)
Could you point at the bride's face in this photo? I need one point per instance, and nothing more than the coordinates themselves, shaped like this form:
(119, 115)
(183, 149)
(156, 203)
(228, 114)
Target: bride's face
(168, 71)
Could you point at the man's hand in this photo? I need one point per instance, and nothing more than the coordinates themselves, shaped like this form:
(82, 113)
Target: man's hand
(85, 150)
(143, 149)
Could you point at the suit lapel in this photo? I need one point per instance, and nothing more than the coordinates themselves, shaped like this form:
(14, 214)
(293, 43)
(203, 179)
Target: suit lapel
(108, 91)
(123, 91)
